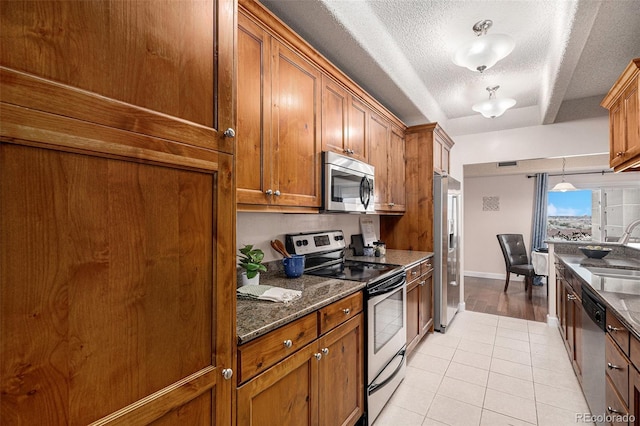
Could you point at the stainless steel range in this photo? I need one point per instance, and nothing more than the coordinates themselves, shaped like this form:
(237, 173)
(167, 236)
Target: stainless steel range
(385, 308)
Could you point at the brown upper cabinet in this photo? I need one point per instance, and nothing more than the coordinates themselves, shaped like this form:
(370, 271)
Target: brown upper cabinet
(278, 135)
(292, 105)
(386, 143)
(344, 121)
(623, 103)
(442, 145)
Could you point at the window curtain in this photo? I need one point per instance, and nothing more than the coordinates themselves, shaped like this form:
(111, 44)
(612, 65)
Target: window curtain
(539, 226)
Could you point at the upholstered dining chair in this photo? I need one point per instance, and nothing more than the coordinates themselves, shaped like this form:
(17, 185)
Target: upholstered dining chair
(516, 259)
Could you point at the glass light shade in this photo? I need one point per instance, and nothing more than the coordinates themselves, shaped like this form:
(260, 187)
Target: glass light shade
(483, 52)
(493, 107)
(563, 187)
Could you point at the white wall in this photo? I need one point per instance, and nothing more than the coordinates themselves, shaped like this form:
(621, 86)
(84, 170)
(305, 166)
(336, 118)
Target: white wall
(481, 249)
(260, 228)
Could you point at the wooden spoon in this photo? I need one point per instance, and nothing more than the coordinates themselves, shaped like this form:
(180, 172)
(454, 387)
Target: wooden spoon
(279, 247)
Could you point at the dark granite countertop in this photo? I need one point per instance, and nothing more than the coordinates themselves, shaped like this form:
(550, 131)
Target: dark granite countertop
(405, 258)
(255, 318)
(620, 296)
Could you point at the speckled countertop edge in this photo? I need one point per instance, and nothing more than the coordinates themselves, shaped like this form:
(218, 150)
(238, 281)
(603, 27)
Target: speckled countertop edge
(626, 307)
(256, 318)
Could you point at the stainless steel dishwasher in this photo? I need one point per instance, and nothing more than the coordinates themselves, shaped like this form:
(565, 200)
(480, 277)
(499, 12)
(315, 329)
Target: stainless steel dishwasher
(593, 356)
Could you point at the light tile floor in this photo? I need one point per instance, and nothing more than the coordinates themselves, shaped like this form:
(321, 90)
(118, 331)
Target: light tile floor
(488, 370)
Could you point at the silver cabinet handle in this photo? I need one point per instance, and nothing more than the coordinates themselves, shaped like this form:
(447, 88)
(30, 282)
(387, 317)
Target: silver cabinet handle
(422, 283)
(268, 192)
(277, 193)
(392, 204)
(287, 343)
(346, 311)
(325, 351)
(346, 151)
(613, 410)
(351, 151)
(613, 329)
(230, 133)
(318, 356)
(619, 153)
(227, 373)
(571, 297)
(613, 367)
(414, 273)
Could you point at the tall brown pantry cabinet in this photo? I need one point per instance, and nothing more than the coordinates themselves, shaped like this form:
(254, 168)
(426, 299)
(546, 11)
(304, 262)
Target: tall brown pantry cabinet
(117, 212)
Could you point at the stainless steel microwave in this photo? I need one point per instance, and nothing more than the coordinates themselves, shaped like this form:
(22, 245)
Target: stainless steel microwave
(347, 184)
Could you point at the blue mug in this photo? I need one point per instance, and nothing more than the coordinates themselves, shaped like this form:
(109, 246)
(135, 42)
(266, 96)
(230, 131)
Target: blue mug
(294, 265)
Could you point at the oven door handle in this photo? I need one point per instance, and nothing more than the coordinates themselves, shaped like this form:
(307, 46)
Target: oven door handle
(386, 288)
(376, 386)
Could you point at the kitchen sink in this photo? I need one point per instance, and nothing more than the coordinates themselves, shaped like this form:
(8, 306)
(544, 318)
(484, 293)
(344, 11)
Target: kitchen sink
(629, 274)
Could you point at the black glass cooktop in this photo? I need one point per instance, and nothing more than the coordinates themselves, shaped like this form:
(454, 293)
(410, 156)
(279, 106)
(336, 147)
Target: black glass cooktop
(357, 271)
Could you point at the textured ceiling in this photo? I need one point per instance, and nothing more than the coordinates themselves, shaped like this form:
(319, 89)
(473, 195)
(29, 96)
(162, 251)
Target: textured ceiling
(400, 51)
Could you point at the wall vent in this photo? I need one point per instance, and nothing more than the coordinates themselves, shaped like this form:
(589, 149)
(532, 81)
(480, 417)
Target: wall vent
(507, 163)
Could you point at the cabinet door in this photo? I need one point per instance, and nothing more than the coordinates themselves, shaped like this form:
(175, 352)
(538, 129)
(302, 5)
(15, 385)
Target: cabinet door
(285, 394)
(426, 303)
(295, 129)
(379, 134)
(334, 116)
(413, 314)
(577, 335)
(445, 159)
(254, 162)
(437, 155)
(617, 135)
(396, 184)
(634, 395)
(631, 101)
(358, 130)
(341, 374)
(166, 56)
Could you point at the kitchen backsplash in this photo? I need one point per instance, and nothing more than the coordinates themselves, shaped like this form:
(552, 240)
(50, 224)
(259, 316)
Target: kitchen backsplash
(260, 228)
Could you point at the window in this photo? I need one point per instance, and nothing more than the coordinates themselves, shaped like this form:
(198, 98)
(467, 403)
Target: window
(569, 215)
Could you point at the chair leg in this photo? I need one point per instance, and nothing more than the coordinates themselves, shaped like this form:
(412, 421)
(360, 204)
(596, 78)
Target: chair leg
(506, 284)
(530, 280)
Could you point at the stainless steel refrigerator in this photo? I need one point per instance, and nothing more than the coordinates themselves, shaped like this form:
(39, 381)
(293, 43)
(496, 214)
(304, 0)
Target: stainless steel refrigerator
(446, 237)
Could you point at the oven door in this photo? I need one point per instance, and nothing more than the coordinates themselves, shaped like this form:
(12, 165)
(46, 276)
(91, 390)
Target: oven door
(347, 190)
(386, 326)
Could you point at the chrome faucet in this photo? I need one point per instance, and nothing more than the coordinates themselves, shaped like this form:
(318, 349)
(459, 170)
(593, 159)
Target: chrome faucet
(627, 232)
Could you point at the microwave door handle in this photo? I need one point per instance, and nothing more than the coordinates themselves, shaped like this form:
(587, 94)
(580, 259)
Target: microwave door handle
(365, 191)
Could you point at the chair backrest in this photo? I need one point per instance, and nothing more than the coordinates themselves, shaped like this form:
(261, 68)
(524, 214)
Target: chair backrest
(513, 249)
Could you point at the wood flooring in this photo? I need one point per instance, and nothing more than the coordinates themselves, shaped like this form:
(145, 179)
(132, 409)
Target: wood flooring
(487, 295)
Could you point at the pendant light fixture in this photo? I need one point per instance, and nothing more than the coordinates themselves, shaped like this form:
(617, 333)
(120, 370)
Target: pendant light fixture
(493, 107)
(563, 186)
(485, 50)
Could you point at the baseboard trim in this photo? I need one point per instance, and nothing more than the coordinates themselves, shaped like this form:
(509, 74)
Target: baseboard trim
(492, 276)
(552, 321)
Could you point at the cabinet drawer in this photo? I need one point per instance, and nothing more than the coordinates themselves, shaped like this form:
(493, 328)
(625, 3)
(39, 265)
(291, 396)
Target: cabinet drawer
(634, 351)
(340, 311)
(413, 273)
(426, 266)
(617, 368)
(618, 332)
(615, 407)
(265, 351)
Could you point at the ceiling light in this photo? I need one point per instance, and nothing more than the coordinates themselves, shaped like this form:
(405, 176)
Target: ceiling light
(485, 50)
(493, 107)
(563, 186)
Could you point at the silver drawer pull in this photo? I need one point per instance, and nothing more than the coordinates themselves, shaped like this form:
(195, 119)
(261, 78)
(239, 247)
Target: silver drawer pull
(346, 311)
(414, 273)
(227, 373)
(422, 283)
(571, 297)
(318, 356)
(287, 343)
(613, 367)
(613, 410)
(325, 351)
(613, 329)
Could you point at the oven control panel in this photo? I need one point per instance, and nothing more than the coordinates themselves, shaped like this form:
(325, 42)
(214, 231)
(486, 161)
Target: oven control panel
(315, 242)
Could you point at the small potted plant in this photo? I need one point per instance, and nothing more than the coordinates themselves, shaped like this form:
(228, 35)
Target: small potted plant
(251, 262)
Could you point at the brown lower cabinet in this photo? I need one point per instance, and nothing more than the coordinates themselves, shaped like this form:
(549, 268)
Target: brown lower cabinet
(322, 383)
(419, 302)
(569, 303)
